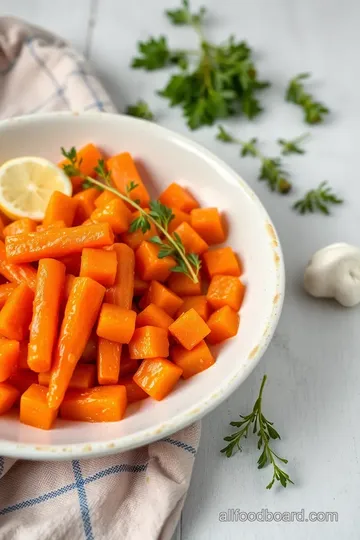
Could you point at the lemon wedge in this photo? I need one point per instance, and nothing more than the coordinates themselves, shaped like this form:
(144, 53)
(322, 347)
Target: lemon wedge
(26, 185)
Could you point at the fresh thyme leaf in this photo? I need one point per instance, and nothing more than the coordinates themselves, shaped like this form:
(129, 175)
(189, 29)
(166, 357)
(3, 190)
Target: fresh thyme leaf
(183, 15)
(318, 200)
(314, 111)
(102, 171)
(292, 146)
(161, 213)
(140, 223)
(87, 184)
(154, 54)
(71, 168)
(140, 110)
(224, 135)
(131, 186)
(265, 431)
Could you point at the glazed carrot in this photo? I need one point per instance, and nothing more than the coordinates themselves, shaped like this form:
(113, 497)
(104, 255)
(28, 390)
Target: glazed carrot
(134, 239)
(225, 290)
(55, 243)
(133, 391)
(182, 285)
(176, 196)
(60, 224)
(72, 263)
(22, 379)
(15, 316)
(45, 321)
(162, 297)
(16, 273)
(69, 282)
(157, 377)
(149, 342)
(208, 223)
(23, 225)
(100, 265)
(90, 351)
(101, 404)
(9, 355)
(108, 361)
(222, 261)
(153, 315)
(149, 266)
(140, 287)
(8, 396)
(87, 160)
(123, 172)
(23, 355)
(189, 329)
(178, 219)
(105, 198)
(193, 243)
(60, 207)
(84, 376)
(194, 361)
(85, 204)
(81, 312)
(199, 303)
(115, 213)
(116, 323)
(5, 290)
(224, 324)
(34, 410)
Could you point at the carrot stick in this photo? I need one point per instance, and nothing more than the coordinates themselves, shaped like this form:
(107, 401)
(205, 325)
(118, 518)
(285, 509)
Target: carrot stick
(15, 316)
(44, 325)
(105, 404)
(9, 356)
(54, 243)
(108, 361)
(81, 312)
(5, 290)
(20, 226)
(16, 273)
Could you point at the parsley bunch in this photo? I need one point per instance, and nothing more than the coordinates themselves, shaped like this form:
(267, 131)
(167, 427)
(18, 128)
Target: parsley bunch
(215, 81)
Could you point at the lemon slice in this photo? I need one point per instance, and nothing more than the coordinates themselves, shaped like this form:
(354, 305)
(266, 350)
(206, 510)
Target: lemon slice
(26, 185)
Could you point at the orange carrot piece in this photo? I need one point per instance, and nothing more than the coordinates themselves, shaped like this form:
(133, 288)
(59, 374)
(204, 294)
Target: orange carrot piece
(182, 285)
(133, 391)
(178, 219)
(100, 265)
(85, 204)
(108, 361)
(207, 222)
(193, 243)
(222, 261)
(153, 315)
(34, 410)
(87, 159)
(199, 303)
(149, 266)
(60, 224)
(134, 239)
(8, 396)
(157, 377)
(101, 404)
(116, 323)
(90, 351)
(9, 356)
(16, 273)
(81, 312)
(104, 199)
(45, 321)
(72, 263)
(23, 225)
(2, 224)
(5, 290)
(189, 329)
(69, 282)
(115, 213)
(84, 376)
(22, 379)
(162, 297)
(194, 361)
(140, 287)
(15, 316)
(128, 366)
(55, 243)
(225, 290)
(149, 342)
(123, 172)
(23, 355)
(176, 196)
(60, 207)
(224, 324)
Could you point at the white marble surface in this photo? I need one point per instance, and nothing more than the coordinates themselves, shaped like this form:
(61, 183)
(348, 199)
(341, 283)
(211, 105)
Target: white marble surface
(313, 363)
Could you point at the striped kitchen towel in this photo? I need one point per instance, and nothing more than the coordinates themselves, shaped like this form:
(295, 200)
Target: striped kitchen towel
(137, 495)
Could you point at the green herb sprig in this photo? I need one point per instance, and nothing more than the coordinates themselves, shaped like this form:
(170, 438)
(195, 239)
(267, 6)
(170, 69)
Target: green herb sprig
(271, 170)
(159, 215)
(265, 431)
(213, 81)
(318, 200)
(314, 111)
(140, 110)
(293, 146)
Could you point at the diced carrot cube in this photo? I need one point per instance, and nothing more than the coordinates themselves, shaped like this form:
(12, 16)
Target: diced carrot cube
(116, 323)
(189, 329)
(182, 285)
(87, 159)
(199, 303)
(124, 172)
(149, 266)
(140, 286)
(222, 261)
(178, 219)
(34, 410)
(100, 265)
(115, 213)
(194, 361)
(8, 396)
(162, 297)
(134, 239)
(207, 222)
(85, 204)
(5, 290)
(157, 377)
(84, 376)
(225, 290)
(192, 241)
(15, 316)
(133, 391)
(224, 324)
(153, 315)
(175, 196)
(60, 207)
(100, 404)
(104, 199)
(149, 342)
(23, 225)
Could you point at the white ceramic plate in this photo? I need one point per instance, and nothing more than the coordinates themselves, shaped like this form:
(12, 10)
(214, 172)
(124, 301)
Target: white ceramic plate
(164, 157)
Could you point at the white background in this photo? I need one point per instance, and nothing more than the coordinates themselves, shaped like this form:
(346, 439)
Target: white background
(313, 363)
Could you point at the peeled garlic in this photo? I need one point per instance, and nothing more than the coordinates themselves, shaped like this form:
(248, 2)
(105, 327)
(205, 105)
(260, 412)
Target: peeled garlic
(334, 272)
